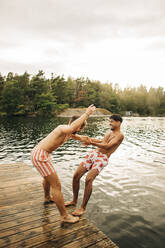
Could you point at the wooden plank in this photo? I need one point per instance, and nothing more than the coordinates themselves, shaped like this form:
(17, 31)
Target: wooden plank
(26, 180)
(29, 233)
(45, 233)
(105, 243)
(54, 217)
(29, 225)
(17, 196)
(19, 199)
(57, 237)
(26, 222)
(15, 207)
(19, 191)
(21, 221)
(70, 238)
(88, 239)
(33, 211)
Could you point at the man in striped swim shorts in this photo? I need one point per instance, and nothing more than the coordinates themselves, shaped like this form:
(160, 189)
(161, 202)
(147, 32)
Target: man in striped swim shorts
(95, 161)
(41, 159)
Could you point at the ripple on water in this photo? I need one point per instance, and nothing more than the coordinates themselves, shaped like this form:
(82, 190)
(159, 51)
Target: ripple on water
(128, 201)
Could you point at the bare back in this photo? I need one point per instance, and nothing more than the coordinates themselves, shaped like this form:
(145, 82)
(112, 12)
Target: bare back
(55, 139)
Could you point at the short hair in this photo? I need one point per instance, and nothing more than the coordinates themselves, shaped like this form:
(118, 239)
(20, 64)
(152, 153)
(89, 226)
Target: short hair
(116, 117)
(75, 117)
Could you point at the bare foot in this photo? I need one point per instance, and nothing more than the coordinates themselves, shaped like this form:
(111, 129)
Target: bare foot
(70, 203)
(79, 212)
(69, 219)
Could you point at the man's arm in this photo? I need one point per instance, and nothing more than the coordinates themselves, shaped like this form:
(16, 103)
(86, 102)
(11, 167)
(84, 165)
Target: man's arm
(68, 129)
(81, 138)
(115, 141)
(84, 139)
(95, 140)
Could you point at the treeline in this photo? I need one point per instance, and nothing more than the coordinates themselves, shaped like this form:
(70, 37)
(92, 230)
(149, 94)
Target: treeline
(25, 95)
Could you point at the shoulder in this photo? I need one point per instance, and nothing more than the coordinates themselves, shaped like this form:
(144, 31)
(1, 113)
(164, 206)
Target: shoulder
(62, 127)
(58, 130)
(121, 136)
(118, 137)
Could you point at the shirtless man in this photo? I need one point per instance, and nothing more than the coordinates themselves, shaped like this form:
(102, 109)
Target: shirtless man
(41, 159)
(95, 161)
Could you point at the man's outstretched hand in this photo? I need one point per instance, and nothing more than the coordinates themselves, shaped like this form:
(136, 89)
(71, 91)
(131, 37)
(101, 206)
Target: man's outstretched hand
(86, 141)
(90, 109)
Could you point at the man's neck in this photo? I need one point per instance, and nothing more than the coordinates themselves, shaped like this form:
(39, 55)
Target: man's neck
(116, 130)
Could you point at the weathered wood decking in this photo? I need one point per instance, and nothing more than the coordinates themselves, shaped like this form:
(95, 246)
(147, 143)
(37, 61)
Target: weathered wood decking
(26, 222)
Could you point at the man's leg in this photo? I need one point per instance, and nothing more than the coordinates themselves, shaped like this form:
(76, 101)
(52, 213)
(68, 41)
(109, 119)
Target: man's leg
(87, 192)
(46, 186)
(57, 197)
(81, 170)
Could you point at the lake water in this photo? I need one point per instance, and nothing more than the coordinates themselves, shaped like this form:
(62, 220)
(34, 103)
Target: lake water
(128, 199)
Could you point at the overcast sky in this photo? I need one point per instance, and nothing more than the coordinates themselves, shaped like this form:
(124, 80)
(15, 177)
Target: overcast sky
(118, 41)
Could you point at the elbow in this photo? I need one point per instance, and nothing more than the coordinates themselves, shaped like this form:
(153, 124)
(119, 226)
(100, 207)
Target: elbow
(105, 146)
(108, 146)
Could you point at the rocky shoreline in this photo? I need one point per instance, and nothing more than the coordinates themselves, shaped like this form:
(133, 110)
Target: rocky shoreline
(79, 111)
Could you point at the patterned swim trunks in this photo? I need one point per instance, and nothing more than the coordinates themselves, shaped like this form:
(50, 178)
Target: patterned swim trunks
(42, 161)
(95, 160)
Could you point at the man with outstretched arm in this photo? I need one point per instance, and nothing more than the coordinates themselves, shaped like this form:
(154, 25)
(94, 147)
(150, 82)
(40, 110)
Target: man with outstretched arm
(41, 159)
(95, 161)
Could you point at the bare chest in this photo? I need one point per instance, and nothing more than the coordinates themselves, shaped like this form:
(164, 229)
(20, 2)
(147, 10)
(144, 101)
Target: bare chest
(109, 137)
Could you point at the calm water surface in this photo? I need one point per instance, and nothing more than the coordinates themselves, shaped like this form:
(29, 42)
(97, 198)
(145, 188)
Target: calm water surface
(128, 199)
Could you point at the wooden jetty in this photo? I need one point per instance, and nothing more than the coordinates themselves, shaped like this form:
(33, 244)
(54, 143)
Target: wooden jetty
(26, 222)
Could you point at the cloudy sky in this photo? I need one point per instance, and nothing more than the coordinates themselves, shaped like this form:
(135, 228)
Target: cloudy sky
(118, 41)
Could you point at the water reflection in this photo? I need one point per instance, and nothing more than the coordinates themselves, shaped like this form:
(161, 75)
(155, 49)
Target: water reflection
(128, 201)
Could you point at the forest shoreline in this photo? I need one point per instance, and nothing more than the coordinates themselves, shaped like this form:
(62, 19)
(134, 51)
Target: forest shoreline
(69, 112)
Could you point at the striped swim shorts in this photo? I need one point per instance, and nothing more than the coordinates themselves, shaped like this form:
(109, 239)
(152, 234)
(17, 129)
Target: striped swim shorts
(42, 161)
(95, 160)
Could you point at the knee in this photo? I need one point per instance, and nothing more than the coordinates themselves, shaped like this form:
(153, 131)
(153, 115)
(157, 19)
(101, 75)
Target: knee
(88, 180)
(76, 177)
